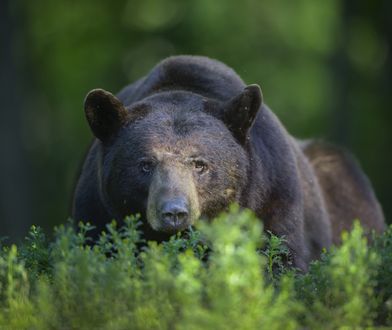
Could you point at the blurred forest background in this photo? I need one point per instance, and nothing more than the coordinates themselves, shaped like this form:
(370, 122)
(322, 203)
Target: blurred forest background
(325, 68)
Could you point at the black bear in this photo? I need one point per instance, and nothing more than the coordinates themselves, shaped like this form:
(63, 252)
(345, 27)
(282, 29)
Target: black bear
(190, 138)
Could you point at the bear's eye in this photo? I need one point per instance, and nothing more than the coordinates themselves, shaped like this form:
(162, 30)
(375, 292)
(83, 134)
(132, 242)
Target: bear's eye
(146, 166)
(200, 166)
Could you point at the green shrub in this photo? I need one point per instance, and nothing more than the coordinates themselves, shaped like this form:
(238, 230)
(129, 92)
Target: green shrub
(223, 275)
(339, 289)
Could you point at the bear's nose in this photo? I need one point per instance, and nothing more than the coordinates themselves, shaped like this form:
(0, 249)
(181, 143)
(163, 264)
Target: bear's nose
(174, 213)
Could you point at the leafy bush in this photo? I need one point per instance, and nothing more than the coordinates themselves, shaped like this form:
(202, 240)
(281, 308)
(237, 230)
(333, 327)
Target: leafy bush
(225, 274)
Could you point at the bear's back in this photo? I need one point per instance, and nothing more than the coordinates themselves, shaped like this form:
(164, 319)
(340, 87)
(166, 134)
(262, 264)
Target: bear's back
(197, 74)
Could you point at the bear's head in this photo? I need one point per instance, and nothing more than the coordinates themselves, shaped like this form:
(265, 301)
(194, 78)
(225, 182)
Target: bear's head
(174, 156)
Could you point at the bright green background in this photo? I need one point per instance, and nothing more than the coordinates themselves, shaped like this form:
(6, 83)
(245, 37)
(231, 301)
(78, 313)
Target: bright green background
(325, 68)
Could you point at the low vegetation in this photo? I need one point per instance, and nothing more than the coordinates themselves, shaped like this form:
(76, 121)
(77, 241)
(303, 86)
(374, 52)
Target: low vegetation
(223, 275)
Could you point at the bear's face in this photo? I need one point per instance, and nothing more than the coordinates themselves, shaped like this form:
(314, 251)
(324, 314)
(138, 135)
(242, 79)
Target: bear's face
(167, 159)
(175, 165)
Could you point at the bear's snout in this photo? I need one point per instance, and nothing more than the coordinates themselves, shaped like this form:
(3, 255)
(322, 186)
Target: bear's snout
(174, 215)
(172, 204)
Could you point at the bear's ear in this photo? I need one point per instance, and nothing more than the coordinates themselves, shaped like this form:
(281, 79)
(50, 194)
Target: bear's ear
(105, 113)
(240, 112)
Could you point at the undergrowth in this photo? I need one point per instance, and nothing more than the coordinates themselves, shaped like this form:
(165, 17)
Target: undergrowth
(222, 275)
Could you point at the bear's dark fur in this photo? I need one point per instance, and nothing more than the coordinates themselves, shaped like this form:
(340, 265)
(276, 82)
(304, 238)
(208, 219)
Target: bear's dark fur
(191, 138)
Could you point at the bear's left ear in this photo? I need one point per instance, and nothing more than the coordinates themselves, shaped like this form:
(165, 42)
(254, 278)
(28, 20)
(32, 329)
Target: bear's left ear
(240, 112)
(105, 113)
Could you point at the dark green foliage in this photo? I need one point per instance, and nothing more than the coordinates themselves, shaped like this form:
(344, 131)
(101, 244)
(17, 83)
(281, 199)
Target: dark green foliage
(35, 253)
(209, 278)
(277, 255)
(383, 246)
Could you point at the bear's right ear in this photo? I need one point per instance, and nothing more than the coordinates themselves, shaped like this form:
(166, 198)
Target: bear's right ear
(105, 113)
